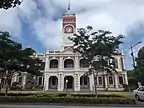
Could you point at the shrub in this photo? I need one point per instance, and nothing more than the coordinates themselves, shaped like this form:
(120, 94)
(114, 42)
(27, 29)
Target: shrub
(16, 86)
(99, 95)
(29, 86)
(69, 100)
(39, 87)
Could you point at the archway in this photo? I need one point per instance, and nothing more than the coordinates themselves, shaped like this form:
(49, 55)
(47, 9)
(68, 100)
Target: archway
(84, 83)
(84, 63)
(68, 82)
(53, 82)
(54, 63)
(68, 63)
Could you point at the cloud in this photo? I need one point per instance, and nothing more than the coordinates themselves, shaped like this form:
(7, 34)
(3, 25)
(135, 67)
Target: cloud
(44, 18)
(10, 22)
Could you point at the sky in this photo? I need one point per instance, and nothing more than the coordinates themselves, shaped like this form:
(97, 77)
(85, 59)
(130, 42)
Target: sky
(37, 23)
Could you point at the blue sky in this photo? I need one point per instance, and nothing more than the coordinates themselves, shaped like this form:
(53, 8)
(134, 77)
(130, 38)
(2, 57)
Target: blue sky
(37, 23)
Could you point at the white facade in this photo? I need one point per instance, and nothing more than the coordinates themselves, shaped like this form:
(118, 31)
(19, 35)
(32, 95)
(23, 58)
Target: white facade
(64, 69)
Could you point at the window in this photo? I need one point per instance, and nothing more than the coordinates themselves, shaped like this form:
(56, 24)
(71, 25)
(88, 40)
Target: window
(141, 89)
(83, 63)
(20, 79)
(53, 81)
(40, 81)
(54, 64)
(110, 80)
(85, 80)
(115, 63)
(100, 80)
(120, 80)
(69, 63)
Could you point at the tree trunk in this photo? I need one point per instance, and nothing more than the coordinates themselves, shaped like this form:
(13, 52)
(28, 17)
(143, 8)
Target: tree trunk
(6, 89)
(6, 83)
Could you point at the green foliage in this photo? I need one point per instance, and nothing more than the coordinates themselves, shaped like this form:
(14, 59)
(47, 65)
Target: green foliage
(131, 73)
(16, 86)
(100, 45)
(139, 70)
(69, 100)
(6, 4)
(98, 48)
(15, 59)
(64, 95)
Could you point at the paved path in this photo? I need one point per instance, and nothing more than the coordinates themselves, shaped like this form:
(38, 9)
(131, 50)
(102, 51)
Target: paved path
(53, 106)
(38, 105)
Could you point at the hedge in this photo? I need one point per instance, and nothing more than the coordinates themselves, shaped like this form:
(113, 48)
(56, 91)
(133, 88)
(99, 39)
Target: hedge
(81, 100)
(62, 95)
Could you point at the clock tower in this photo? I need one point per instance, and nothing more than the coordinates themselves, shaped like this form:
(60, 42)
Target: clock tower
(68, 28)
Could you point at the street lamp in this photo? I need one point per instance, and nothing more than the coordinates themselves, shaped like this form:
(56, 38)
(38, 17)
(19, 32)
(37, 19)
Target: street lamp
(66, 85)
(132, 53)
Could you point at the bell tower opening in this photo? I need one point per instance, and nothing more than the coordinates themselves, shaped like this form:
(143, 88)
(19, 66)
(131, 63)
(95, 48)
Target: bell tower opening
(68, 28)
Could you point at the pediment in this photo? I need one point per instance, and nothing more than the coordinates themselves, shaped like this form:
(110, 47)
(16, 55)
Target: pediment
(67, 50)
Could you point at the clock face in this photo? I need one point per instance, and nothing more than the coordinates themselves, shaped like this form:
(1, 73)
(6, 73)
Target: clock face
(68, 29)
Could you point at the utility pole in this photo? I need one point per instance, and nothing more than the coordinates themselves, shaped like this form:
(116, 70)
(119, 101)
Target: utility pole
(132, 53)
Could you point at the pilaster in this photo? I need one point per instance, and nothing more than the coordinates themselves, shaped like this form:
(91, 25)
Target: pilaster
(60, 82)
(106, 82)
(47, 63)
(61, 63)
(24, 75)
(76, 66)
(126, 78)
(76, 82)
(116, 81)
(91, 79)
(46, 82)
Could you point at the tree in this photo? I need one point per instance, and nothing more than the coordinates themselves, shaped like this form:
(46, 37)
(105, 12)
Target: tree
(6, 4)
(139, 70)
(15, 59)
(130, 73)
(98, 48)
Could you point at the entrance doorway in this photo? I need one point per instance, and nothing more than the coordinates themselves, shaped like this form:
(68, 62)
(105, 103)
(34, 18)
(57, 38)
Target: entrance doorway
(84, 83)
(53, 82)
(68, 82)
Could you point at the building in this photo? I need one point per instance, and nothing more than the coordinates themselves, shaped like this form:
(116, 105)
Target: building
(64, 69)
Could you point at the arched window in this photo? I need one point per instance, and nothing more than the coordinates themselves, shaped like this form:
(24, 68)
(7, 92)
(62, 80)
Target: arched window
(54, 63)
(110, 79)
(68, 63)
(115, 63)
(100, 80)
(53, 82)
(84, 63)
(120, 80)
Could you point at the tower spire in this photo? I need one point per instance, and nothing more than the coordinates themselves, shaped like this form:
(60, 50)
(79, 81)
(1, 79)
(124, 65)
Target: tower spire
(69, 5)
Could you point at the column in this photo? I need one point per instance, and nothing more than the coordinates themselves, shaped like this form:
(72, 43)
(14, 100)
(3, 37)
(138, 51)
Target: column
(116, 81)
(37, 81)
(42, 80)
(126, 78)
(61, 63)
(77, 82)
(60, 82)
(47, 63)
(24, 75)
(15, 78)
(91, 79)
(106, 82)
(46, 82)
(76, 66)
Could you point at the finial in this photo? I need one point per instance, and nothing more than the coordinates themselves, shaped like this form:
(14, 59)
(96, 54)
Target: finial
(69, 5)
